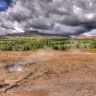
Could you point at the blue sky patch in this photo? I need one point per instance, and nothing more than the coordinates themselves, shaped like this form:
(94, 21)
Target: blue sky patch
(4, 4)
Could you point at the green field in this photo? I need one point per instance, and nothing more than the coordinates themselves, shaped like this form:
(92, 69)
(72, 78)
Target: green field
(63, 43)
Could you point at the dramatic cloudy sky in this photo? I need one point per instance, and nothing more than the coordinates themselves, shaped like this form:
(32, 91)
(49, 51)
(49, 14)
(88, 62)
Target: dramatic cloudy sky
(65, 17)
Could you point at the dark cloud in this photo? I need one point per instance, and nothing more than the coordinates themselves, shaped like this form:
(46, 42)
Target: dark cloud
(65, 17)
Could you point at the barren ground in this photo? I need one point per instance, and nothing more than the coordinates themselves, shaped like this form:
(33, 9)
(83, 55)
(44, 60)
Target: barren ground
(48, 73)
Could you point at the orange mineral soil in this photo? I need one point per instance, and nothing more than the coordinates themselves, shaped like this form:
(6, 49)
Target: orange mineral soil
(48, 73)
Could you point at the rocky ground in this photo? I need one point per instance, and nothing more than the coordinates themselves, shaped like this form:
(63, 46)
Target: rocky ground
(48, 73)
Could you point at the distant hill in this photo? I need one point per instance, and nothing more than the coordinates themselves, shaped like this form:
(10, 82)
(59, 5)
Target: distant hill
(84, 36)
(34, 34)
(38, 34)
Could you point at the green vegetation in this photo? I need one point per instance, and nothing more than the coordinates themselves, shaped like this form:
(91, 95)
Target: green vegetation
(28, 43)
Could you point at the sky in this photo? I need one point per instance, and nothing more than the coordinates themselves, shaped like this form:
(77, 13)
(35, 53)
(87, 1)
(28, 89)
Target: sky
(4, 4)
(63, 17)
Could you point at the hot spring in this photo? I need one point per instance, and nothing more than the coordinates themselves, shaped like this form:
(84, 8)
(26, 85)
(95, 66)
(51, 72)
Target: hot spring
(15, 68)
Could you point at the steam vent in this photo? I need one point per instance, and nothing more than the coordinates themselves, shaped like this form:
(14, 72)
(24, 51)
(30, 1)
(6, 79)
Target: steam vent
(14, 68)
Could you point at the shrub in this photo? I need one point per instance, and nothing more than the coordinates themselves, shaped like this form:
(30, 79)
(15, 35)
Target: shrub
(6, 48)
(25, 48)
(61, 47)
(55, 47)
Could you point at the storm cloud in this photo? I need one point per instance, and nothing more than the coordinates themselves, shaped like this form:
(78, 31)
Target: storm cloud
(65, 17)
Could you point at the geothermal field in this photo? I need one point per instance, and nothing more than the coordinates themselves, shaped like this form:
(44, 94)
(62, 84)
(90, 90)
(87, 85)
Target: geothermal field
(47, 73)
(47, 47)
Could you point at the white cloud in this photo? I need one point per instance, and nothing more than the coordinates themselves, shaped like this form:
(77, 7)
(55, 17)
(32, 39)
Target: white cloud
(49, 16)
(91, 33)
